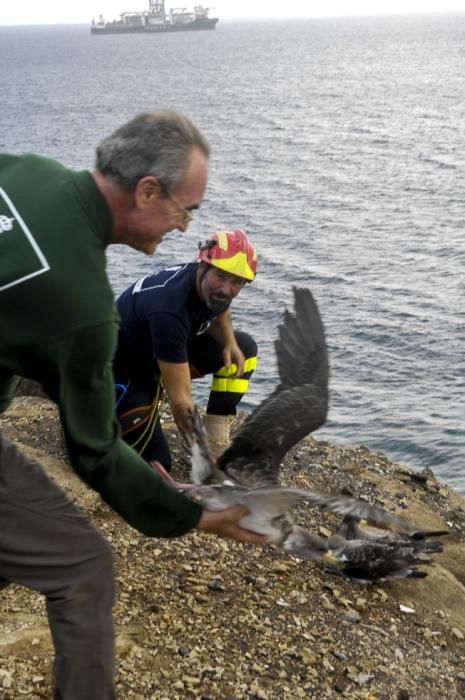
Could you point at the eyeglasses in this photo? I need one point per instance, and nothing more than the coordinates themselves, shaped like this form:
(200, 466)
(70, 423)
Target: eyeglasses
(185, 213)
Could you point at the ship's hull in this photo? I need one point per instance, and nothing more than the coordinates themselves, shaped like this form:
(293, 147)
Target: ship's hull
(119, 28)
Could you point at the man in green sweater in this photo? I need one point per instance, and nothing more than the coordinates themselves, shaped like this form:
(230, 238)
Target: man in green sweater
(58, 327)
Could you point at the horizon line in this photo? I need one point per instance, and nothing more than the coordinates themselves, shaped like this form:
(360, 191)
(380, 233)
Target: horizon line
(269, 18)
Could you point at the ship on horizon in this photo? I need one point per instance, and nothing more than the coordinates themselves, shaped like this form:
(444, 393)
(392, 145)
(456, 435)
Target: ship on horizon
(155, 20)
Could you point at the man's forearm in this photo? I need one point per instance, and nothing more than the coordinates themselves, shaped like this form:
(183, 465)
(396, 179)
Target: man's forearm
(221, 329)
(177, 383)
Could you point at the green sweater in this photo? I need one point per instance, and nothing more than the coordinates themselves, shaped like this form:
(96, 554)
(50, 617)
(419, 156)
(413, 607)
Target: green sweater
(58, 326)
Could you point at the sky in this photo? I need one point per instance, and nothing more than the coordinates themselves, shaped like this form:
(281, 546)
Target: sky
(63, 11)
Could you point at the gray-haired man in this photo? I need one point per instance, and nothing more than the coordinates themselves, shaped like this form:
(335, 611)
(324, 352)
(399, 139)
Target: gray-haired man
(59, 328)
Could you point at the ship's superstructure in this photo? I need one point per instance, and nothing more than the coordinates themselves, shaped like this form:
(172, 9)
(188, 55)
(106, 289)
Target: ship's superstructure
(156, 19)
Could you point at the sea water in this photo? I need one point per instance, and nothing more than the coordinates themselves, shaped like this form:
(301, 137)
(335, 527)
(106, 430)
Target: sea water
(339, 146)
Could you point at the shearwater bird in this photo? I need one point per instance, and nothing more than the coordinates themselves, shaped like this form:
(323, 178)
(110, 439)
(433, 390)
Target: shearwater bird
(373, 555)
(416, 542)
(247, 472)
(367, 561)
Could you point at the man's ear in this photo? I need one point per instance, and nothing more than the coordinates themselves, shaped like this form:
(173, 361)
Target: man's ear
(147, 191)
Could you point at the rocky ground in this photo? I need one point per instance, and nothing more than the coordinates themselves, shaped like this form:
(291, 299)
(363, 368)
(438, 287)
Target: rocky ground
(205, 618)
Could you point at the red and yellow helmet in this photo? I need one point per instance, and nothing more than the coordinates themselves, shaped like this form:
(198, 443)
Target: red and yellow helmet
(232, 252)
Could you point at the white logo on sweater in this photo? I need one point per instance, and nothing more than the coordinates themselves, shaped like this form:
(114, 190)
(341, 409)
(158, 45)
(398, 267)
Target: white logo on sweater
(6, 223)
(18, 246)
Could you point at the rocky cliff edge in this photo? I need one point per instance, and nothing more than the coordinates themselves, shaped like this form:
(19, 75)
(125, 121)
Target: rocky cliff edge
(200, 617)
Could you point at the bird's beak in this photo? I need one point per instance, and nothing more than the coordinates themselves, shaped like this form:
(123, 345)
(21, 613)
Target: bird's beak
(329, 558)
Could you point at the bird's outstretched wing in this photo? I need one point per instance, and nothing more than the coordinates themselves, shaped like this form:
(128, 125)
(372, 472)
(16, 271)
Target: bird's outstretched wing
(271, 502)
(283, 498)
(297, 406)
(417, 542)
(301, 345)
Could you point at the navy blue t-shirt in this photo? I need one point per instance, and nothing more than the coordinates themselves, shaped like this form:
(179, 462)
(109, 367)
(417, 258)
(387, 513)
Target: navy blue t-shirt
(160, 313)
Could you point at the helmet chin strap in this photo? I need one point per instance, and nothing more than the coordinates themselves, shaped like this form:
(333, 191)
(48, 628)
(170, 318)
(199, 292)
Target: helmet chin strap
(201, 274)
(203, 271)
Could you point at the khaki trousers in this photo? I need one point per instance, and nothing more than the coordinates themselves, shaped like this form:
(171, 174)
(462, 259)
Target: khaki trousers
(48, 544)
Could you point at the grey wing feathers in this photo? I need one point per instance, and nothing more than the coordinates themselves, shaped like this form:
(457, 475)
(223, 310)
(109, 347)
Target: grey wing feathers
(301, 346)
(202, 464)
(416, 540)
(299, 404)
(349, 506)
(278, 424)
(333, 503)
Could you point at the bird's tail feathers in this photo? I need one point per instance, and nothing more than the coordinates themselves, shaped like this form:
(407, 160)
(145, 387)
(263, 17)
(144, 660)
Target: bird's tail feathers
(414, 573)
(424, 534)
(404, 573)
(433, 547)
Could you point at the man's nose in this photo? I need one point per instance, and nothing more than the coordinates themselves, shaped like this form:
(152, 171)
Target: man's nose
(228, 288)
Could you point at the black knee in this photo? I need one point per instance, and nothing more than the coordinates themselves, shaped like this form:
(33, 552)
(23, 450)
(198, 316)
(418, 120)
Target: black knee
(247, 344)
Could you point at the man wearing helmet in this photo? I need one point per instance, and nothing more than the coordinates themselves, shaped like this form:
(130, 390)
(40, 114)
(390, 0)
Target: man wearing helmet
(176, 326)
